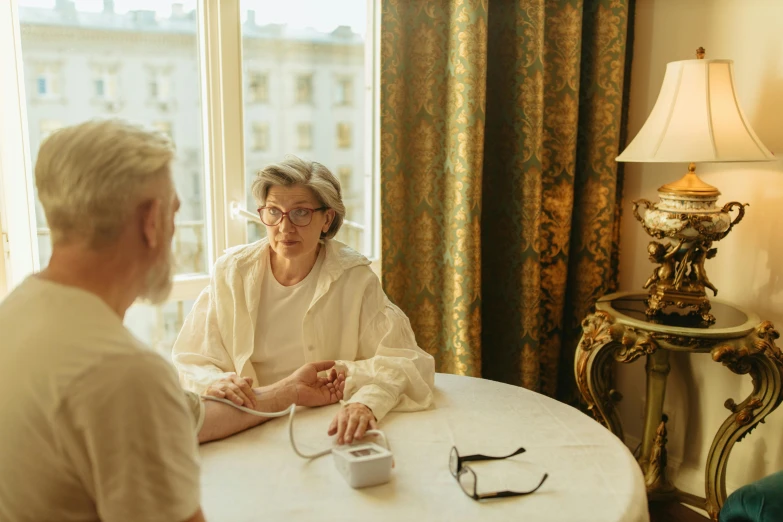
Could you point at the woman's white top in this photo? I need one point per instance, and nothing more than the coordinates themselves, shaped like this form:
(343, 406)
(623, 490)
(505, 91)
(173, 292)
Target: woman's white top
(349, 319)
(279, 345)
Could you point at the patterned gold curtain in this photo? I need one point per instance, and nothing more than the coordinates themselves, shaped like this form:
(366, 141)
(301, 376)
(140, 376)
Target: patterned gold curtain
(500, 122)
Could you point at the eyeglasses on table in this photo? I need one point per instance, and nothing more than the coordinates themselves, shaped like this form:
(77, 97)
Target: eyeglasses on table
(467, 479)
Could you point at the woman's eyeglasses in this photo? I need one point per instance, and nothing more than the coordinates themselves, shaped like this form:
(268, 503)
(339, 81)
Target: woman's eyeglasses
(301, 217)
(467, 479)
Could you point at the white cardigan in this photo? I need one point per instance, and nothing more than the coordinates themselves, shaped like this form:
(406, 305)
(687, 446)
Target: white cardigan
(350, 320)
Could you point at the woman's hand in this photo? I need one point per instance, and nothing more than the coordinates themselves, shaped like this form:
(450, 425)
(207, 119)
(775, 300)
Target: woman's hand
(234, 388)
(352, 422)
(311, 390)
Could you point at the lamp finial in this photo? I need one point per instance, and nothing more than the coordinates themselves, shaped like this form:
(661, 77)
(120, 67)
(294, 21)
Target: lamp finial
(700, 53)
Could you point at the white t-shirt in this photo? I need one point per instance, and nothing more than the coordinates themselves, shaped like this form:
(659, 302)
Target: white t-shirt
(93, 425)
(279, 345)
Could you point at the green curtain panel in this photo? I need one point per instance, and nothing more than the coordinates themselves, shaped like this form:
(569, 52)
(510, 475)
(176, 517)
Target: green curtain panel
(500, 122)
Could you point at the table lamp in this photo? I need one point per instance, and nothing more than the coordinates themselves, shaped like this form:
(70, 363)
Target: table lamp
(697, 118)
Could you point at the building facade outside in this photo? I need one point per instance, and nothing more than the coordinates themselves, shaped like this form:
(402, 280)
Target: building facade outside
(303, 95)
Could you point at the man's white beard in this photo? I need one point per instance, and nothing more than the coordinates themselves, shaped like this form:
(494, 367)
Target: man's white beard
(160, 280)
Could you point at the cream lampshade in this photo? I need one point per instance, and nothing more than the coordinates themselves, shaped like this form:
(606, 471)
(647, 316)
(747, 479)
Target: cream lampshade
(697, 118)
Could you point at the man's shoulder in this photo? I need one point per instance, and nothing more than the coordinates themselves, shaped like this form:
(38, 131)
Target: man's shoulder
(60, 330)
(137, 365)
(140, 373)
(22, 299)
(56, 304)
(134, 360)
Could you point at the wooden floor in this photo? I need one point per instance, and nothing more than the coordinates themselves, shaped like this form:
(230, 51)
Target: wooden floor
(673, 512)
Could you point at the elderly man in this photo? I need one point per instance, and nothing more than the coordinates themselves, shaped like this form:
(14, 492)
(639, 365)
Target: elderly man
(93, 425)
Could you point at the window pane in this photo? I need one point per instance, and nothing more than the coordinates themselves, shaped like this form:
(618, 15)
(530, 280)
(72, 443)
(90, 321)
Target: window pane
(158, 326)
(258, 88)
(86, 60)
(305, 131)
(344, 91)
(305, 59)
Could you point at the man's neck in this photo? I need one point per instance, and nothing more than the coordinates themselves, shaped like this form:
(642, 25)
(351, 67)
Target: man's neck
(104, 273)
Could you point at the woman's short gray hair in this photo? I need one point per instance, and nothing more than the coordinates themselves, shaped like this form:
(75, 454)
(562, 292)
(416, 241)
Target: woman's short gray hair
(296, 171)
(91, 176)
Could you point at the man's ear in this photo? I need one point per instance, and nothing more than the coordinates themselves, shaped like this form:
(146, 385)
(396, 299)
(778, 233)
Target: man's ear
(152, 222)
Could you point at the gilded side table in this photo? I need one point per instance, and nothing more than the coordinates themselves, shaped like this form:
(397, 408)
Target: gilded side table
(620, 331)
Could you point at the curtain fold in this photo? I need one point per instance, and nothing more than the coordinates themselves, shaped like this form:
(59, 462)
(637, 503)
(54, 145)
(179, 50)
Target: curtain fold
(500, 122)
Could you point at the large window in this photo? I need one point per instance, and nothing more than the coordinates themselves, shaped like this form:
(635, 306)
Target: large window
(316, 55)
(114, 65)
(303, 73)
(103, 71)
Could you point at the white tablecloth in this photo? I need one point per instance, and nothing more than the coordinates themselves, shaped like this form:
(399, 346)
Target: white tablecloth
(255, 476)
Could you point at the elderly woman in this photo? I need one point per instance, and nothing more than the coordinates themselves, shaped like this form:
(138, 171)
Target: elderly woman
(299, 296)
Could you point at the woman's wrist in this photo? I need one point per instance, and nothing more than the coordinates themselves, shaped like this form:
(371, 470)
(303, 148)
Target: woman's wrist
(275, 397)
(360, 406)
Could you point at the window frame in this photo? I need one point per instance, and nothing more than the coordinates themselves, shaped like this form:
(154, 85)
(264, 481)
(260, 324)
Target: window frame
(18, 201)
(219, 41)
(372, 99)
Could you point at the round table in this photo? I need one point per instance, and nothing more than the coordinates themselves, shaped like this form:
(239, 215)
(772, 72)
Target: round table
(256, 476)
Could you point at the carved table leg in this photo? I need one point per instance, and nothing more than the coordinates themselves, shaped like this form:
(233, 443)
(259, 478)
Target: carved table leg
(602, 342)
(654, 465)
(657, 371)
(593, 365)
(755, 354)
(653, 455)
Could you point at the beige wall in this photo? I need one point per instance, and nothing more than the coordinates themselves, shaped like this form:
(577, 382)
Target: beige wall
(749, 267)
(3, 264)
(3, 286)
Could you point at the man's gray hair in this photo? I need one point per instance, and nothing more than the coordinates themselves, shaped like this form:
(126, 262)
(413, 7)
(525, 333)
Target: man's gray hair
(90, 177)
(296, 171)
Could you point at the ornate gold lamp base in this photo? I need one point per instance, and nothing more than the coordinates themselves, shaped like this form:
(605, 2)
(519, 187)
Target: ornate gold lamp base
(664, 296)
(688, 216)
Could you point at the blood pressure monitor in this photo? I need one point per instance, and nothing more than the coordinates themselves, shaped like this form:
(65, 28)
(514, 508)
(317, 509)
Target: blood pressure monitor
(363, 464)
